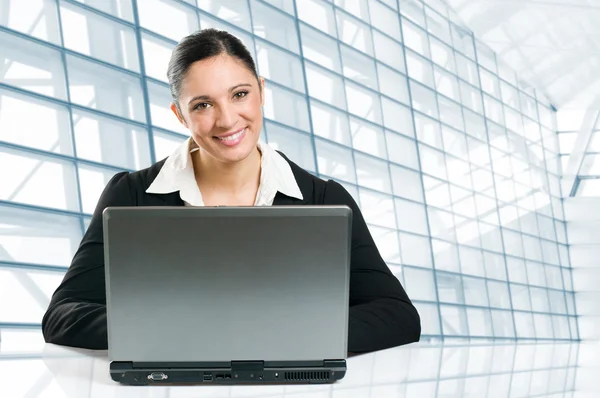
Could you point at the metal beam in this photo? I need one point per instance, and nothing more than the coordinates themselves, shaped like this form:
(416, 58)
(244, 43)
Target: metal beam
(584, 136)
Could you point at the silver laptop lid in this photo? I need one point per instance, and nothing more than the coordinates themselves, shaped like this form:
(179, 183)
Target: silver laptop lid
(228, 283)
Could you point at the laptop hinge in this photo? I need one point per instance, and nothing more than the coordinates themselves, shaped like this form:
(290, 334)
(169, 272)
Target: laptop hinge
(334, 363)
(247, 365)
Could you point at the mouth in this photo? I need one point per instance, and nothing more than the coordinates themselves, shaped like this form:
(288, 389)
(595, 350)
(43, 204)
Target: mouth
(231, 139)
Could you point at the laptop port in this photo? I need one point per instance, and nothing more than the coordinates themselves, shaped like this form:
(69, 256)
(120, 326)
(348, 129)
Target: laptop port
(219, 377)
(208, 377)
(156, 376)
(228, 376)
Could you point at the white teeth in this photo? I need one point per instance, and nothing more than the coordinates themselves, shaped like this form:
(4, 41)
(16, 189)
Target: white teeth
(233, 137)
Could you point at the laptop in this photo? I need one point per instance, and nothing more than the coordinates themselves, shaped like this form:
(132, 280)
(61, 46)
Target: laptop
(227, 295)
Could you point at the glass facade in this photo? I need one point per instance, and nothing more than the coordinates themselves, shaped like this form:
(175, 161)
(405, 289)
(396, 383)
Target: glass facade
(587, 181)
(453, 160)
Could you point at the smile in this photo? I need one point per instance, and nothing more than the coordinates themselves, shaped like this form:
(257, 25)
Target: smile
(233, 139)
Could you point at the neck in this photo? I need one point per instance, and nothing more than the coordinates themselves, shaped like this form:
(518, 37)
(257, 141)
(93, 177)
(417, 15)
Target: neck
(227, 177)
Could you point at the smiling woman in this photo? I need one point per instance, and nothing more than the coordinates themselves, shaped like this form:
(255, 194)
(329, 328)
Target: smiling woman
(217, 95)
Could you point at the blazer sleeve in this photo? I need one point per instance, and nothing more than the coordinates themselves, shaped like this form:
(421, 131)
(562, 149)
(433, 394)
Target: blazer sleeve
(76, 315)
(381, 314)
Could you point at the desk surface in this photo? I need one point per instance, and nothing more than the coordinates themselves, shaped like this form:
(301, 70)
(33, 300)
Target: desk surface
(31, 368)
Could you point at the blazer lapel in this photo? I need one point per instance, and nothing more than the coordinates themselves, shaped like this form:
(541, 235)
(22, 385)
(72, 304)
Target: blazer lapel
(284, 200)
(305, 183)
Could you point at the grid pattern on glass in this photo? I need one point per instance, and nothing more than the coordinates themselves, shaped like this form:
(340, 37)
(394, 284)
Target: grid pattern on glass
(454, 163)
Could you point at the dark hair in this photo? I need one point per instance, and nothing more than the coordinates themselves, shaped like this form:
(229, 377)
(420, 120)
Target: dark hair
(203, 44)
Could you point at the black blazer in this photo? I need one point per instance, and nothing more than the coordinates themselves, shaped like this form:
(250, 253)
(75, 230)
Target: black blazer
(381, 314)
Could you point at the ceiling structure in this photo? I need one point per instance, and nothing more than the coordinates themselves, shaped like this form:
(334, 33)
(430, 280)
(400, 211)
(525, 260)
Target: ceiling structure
(554, 45)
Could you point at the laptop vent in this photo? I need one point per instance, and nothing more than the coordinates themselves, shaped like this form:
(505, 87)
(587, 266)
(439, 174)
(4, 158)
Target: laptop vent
(300, 376)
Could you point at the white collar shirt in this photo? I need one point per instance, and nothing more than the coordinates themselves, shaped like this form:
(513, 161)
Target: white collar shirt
(177, 174)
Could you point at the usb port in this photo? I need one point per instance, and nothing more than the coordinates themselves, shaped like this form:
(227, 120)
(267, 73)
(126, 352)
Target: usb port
(208, 377)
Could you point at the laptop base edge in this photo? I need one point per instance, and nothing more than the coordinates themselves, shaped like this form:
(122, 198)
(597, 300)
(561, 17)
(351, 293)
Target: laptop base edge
(329, 372)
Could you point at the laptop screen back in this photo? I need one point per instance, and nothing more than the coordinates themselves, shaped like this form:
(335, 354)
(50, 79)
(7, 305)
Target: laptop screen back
(221, 284)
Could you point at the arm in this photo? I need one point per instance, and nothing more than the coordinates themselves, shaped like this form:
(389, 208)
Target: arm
(381, 314)
(76, 315)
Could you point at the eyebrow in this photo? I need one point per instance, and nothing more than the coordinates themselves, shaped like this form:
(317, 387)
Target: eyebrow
(206, 97)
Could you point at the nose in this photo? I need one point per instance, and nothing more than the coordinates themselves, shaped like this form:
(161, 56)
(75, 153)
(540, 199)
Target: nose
(226, 117)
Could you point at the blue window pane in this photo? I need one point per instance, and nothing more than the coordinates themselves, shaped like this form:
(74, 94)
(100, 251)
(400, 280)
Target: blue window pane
(99, 37)
(286, 107)
(317, 13)
(385, 19)
(279, 66)
(330, 123)
(471, 261)
(233, 11)
(359, 67)
(354, 33)
(475, 291)
(524, 325)
(450, 288)
(445, 255)
(454, 320)
(392, 83)
(319, 48)
(31, 66)
(49, 130)
(30, 177)
(406, 183)
(103, 140)
(480, 322)
(378, 209)
(416, 250)
(503, 323)
(430, 318)
(31, 289)
(499, 296)
(54, 237)
(419, 284)
(363, 103)
(99, 87)
(411, 217)
(325, 86)
(372, 173)
(168, 18)
(24, 17)
(368, 138)
(335, 161)
(274, 26)
(297, 146)
(119, 8)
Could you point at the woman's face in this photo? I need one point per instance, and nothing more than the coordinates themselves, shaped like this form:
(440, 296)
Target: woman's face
(220, 103)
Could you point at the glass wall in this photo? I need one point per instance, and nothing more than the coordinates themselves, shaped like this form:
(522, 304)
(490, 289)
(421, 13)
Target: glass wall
(587, 182)
(452, 159)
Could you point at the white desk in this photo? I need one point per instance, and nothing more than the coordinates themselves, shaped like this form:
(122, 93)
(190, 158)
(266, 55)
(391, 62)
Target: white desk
(31, 368)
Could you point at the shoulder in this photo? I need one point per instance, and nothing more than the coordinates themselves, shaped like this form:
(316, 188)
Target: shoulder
(319, 191)
(311, 186)
(126, 188)
(140, 180)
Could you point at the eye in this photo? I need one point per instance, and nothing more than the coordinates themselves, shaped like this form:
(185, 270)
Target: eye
(202, 106)
(240, 94)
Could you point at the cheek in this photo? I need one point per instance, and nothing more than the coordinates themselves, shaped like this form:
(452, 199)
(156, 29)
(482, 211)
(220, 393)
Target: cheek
(201, 125)
(253, 110)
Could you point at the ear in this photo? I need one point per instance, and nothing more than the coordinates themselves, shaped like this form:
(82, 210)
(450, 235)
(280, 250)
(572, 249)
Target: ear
(175, 110)
(261, 82)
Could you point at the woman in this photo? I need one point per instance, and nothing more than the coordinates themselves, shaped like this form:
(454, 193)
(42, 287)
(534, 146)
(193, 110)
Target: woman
(218, 95)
